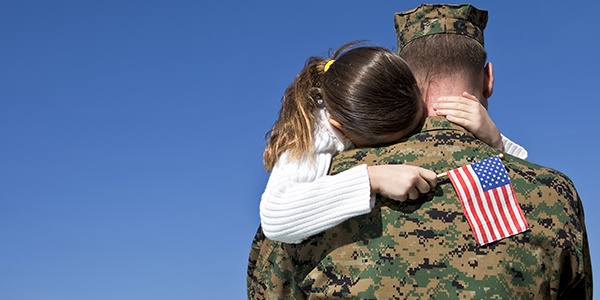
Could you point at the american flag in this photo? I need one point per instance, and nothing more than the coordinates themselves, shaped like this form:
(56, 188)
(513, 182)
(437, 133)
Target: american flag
(488, 200)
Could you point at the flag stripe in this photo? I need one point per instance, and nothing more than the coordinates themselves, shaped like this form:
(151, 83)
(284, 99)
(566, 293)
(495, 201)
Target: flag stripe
(474, 211)
(454, 177)
(519, 216)
(504, 194)
(479, 201)
(487, 204)
(499, 215)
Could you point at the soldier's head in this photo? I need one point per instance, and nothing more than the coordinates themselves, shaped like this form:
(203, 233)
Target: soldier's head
(444, 46)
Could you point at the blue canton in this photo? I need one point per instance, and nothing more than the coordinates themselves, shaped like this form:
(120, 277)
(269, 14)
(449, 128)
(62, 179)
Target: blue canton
(491, 173)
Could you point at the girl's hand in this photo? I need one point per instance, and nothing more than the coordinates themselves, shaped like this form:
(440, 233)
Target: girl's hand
(468, 112)
(401, 182)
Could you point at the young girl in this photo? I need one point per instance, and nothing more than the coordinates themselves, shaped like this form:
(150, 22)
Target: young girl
(363, 96)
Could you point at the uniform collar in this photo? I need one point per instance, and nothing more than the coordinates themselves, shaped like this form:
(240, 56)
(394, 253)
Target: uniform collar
(439, 123)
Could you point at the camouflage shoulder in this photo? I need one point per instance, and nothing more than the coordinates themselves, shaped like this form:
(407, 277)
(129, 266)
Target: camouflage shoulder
(271, 271)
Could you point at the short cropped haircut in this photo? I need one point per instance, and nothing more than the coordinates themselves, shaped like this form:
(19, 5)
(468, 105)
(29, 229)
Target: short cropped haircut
(444, 54)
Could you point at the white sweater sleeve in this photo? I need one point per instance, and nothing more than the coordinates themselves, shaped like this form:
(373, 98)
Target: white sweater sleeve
(300, 200)
(293, 209)
(513, 148)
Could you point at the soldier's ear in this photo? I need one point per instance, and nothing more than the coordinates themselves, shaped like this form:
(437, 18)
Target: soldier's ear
(488, 80)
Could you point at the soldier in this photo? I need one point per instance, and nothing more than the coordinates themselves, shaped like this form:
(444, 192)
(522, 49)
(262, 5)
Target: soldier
(426, 249)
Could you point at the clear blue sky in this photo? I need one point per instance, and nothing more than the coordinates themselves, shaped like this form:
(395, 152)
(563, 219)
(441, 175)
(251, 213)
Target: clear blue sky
(131, 132)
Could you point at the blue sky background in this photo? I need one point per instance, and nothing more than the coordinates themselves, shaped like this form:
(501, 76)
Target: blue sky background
(131, 132)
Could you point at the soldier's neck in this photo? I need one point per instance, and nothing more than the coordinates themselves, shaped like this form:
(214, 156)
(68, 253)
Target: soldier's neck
(448, 87)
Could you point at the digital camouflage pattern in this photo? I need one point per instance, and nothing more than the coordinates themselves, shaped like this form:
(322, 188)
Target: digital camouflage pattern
(425, 249)
(429, 19)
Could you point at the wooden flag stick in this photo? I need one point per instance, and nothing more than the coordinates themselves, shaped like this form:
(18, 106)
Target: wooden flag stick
(444, 175)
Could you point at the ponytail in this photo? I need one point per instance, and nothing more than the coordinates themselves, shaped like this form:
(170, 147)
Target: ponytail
(369, 91)
(293, 130)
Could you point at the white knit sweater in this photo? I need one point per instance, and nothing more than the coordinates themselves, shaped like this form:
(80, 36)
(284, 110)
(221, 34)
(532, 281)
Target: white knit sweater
(301, 200)
(513, 148)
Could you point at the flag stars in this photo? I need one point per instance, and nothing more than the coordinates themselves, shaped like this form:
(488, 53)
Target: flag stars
(490, 173)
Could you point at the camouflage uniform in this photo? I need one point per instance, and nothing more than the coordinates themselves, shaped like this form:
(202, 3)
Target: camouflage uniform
(425, 249)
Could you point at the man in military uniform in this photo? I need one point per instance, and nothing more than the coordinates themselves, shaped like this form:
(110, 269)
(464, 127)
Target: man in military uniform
(426, 249)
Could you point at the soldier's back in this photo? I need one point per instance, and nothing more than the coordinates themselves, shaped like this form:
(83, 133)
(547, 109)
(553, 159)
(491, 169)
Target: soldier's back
(426, 249)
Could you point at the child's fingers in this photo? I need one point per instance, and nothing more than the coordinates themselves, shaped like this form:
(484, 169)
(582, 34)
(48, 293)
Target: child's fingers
(459, 105)
(451, 109)
(469, 96)
(459, 114)
(427, 174)
(430, 177)
(413, 194)
(423, 186)
(464, 122)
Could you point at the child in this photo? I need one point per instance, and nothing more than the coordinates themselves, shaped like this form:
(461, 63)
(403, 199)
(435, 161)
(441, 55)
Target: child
(365, 96)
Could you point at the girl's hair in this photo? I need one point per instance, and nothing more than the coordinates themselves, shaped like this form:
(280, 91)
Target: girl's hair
(369, 90)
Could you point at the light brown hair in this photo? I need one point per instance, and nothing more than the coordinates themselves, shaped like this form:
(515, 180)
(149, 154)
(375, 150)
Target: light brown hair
(369, 90)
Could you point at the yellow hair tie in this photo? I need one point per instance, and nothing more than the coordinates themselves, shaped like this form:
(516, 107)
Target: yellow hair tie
(327, 65)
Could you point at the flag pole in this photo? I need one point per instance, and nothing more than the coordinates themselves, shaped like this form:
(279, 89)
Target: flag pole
(444, 175)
